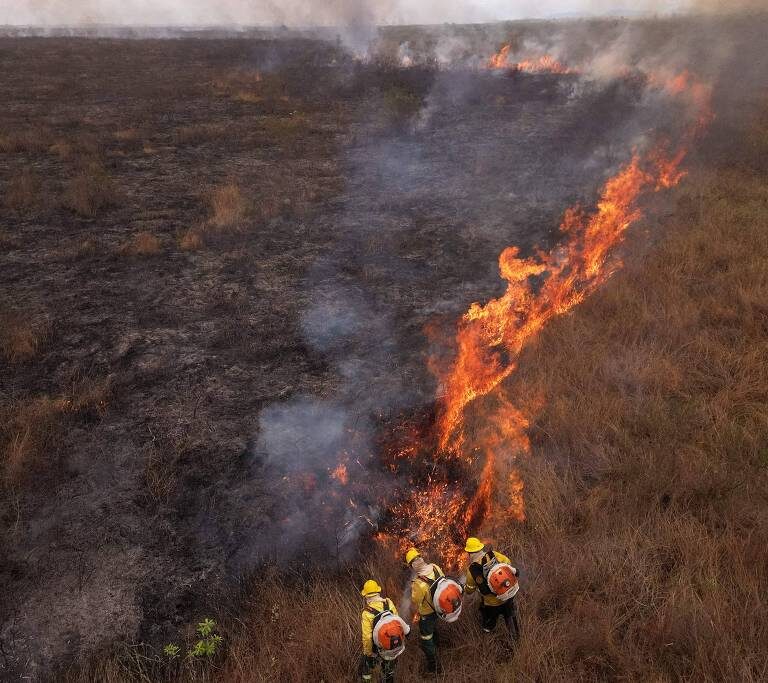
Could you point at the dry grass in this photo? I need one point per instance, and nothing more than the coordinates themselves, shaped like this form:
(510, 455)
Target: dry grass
(90, 190)
(142, 243)
(29, 427)
(22, 337)
(191, 240)
(24, 192)
(228, 207)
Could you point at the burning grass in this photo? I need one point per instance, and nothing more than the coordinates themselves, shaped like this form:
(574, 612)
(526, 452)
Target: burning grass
(644, 547)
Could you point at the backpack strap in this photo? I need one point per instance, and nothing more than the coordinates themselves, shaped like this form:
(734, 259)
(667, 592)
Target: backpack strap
(478, 574)
(432, 584)
(489, 559)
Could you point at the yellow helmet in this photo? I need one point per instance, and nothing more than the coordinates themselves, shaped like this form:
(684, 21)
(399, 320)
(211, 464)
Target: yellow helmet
(411, 555)
(369, 588)
(473, 545)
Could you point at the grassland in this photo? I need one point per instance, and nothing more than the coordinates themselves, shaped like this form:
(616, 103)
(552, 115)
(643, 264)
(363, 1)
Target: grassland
(163, 236)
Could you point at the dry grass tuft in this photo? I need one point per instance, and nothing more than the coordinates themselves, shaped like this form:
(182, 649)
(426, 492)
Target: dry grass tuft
(29, 428)
(24, 192)
(228, 206)
(90, 191)
(143, 243)
(22, 337)
(191, 240)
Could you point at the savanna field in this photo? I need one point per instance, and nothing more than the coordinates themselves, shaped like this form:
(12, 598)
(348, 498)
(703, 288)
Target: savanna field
(247, 285)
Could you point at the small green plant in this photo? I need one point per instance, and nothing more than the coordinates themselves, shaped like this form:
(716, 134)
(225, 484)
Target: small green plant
(171, 651)
(209, 642)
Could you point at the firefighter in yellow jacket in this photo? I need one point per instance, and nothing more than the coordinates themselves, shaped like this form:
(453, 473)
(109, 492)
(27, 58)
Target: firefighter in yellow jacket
(492, 574)
(423, 574)
(383, 634)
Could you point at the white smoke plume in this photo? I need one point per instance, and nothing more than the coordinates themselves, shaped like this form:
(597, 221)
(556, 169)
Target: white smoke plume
(328, 12)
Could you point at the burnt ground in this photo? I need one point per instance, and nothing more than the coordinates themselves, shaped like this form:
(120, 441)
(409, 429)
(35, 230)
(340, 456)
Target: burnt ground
(378, 200)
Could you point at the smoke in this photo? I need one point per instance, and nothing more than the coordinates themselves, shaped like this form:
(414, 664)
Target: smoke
(328, 12)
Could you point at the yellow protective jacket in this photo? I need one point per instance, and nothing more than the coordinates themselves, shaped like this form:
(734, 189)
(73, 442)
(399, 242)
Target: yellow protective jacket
(490, 600)
(366, 622)
(420, 597)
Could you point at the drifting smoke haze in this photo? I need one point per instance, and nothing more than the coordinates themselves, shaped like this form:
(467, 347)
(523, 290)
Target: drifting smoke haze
(333, 12)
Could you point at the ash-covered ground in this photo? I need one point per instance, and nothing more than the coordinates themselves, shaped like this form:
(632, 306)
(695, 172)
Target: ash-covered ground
(193, 380)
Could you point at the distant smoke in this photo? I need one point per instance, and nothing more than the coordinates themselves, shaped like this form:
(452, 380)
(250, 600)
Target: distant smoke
(328, 12)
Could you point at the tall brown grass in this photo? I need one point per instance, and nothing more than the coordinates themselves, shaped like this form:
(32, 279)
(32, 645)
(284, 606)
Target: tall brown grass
(228, 206)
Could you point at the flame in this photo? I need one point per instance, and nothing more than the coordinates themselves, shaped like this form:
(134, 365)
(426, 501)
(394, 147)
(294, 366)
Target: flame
(538, 65)
(478, 429)
(685, 86)
(340, 474)
(500, 60)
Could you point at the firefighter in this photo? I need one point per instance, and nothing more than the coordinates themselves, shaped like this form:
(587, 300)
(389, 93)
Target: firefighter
(423, 577)
(383, 634)
(492, 574)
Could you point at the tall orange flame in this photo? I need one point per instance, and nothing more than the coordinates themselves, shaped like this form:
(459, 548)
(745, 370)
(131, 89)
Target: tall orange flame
(541, 64)
(490, 338)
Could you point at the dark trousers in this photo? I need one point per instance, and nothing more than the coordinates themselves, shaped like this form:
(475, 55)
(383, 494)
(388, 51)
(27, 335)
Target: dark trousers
(427, 639)
(489, 615)
(368, 666)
